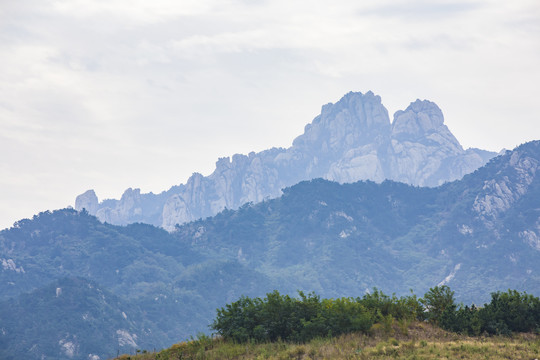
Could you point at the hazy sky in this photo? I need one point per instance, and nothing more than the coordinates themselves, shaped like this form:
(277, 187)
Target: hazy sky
(111, 94)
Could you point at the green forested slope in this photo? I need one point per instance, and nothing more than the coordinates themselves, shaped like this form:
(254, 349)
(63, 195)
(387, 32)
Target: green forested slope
(477, 235)
(72, 318)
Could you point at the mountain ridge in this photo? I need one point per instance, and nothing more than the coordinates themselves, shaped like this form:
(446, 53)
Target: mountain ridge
(477, 235)
(350, 140)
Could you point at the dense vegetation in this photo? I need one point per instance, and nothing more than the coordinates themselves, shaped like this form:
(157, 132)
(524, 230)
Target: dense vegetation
(50, 321)
(507, 312)
(307, 317)
(301, 319)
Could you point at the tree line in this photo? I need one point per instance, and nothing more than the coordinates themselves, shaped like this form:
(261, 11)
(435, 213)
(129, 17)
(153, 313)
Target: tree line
(302, 318)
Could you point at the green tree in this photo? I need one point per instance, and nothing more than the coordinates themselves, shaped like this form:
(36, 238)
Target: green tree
(438, 300)
(511, 311)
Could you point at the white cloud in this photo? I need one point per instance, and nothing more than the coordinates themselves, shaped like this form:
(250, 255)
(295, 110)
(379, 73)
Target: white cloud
(136, 11)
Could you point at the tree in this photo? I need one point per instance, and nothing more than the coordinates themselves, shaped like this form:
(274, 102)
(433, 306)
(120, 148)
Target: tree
(437, 300)
(511, 311)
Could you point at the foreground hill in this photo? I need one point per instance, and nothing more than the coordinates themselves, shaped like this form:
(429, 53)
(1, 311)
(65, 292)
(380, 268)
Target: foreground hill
(350, 140)
(416, 341)
(478, 235)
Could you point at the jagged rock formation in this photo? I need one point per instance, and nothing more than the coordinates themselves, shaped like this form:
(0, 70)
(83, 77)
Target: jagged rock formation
(88, 200)
(512, 182)
(349, 141)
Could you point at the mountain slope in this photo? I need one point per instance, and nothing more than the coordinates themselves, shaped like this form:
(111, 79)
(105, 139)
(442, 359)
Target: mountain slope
(72, 318)
(68, 243)
(349, 141)
(477, 235)
(167, 287)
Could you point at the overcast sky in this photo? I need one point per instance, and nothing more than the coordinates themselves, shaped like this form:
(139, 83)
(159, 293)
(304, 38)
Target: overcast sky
(111, 94)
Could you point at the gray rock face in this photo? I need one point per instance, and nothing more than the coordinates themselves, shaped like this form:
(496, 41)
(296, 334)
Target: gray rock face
(349, 141)
(88, 200)
(129, 207)
(420, 143)
(501, 192)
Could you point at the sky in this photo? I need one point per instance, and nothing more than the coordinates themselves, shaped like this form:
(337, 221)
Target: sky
(111, 94)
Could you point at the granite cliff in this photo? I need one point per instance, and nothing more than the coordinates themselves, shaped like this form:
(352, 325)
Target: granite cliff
(350, 140)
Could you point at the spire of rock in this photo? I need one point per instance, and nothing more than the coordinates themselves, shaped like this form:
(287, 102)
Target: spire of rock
(88, 200)
(355, 119)
(423, 121)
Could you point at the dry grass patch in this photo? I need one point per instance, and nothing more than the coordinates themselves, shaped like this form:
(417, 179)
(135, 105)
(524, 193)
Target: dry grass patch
(420, 341)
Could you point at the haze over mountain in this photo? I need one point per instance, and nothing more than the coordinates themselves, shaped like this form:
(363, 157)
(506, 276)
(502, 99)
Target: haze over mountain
(349, 141)
(478, 235)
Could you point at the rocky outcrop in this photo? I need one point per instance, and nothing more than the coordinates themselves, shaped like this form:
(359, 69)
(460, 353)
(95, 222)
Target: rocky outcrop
(349, 141)
(129, 207)
(88, 200)
(508, 186)
(425, 152)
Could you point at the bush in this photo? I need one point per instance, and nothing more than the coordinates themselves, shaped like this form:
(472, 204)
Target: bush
(302, 319)
(382, 305)
(507, 312)
(282, 317)
(511, 311)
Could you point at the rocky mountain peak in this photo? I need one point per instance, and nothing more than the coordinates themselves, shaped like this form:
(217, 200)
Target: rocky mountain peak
(423, 122)
(132, 195)
(348, 141)
(88, 200)
(223, 164)
(128, 207)
(420, 118)
(355, 119)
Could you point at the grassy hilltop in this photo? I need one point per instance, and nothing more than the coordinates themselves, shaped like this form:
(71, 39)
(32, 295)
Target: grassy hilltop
(376, 326)
(418, 340)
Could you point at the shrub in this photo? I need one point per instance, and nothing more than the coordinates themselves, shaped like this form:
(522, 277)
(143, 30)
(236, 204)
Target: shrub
(282, 317)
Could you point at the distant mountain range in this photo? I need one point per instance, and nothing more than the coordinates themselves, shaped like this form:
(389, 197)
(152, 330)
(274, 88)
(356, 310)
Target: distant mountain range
(349, 141)
(477, 235)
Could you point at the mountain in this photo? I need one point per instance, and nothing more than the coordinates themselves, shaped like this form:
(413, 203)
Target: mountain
(64, 243)
(167, 291)
(478, 235)
(349, 141)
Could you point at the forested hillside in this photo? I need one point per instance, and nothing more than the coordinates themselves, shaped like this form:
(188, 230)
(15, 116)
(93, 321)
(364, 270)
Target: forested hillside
(477, 235)
(70, 317)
